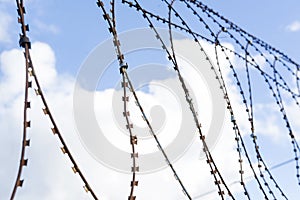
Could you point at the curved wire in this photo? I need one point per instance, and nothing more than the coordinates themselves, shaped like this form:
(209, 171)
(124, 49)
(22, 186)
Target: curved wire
(248, 177)
(274, 79)
(282, 109)
(133, 138)
(238, 83)
(244, 34)
(239, 138)
(210, 161)
(265, 75)
(195, 34)
(25, 43)
(255, 39)
(260, 160)
(56, 131)
(123, 70)
(224, 89)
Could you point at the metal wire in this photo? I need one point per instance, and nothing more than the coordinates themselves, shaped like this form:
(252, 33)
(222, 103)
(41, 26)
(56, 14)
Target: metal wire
(25, 43)
(267, 76)
(274, 81)
(214, 170)
(133, 138)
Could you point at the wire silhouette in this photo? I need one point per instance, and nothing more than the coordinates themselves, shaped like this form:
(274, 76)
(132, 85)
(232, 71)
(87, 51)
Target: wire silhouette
(279, 68)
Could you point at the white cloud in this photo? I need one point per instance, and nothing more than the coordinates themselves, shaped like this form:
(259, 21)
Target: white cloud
(44, 155)
(294, 26)
(45, 158)
(49, 172)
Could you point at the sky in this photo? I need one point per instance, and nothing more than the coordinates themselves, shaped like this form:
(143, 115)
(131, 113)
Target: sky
(63, 35)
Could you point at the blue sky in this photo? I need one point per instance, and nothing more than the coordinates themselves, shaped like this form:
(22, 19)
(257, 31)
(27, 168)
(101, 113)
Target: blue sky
(66, 32)
(67, 23)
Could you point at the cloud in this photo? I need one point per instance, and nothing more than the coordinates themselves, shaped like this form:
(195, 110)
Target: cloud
(293, 27)
(49, 173)
(45, 158)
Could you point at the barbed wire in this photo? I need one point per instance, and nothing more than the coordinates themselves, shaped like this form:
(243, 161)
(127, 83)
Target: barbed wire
(214, 170)
(125, 77)
(125, 98)
(246, 178)
(247, 47)
(26, 44)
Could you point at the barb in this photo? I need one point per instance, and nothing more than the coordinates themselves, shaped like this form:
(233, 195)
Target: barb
(155, 136)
